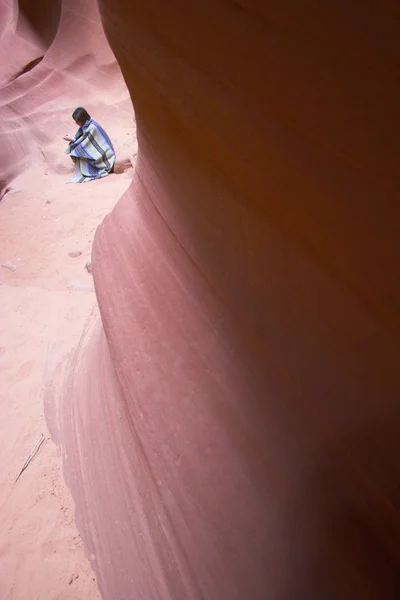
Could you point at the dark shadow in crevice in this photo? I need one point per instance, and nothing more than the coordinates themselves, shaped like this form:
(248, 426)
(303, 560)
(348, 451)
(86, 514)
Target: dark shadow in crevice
(43, 17)
(31, 65)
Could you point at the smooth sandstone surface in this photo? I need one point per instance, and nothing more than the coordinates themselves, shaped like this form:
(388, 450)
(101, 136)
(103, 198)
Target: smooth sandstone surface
(231, 428)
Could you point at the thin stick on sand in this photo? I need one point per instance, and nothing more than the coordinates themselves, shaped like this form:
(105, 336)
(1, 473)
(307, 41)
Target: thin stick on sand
(31, 455)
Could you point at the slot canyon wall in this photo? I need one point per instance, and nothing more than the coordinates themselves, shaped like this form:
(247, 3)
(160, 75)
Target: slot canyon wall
(232, 428)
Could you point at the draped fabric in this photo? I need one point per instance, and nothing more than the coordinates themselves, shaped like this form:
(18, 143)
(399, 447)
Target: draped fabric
(92, 152)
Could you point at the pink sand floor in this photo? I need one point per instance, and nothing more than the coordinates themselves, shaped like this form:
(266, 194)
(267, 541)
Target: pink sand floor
(45, 304)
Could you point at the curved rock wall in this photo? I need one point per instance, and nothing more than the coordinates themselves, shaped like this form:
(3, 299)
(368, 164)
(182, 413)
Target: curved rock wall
(248, 291)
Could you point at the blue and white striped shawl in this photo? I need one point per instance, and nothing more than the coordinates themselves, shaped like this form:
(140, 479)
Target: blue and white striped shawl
(92, 152)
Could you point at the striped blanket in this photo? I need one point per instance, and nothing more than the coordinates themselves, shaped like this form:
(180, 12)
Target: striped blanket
(92, 152)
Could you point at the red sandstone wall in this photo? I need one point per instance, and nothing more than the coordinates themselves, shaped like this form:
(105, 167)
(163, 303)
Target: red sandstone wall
(249, 293)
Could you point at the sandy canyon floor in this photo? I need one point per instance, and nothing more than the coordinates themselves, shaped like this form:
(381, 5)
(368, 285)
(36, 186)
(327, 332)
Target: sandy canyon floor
(46, 296)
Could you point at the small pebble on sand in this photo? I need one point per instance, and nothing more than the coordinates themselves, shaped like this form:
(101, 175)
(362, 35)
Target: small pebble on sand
(88, 266)
(75, 253)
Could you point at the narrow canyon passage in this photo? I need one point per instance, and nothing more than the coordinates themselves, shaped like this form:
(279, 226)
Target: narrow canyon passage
(231, 424)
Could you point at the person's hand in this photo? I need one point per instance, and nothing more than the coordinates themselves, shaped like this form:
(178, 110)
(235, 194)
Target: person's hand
(67, 138)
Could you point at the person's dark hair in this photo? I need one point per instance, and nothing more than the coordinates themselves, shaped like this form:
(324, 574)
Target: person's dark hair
(80, 115)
